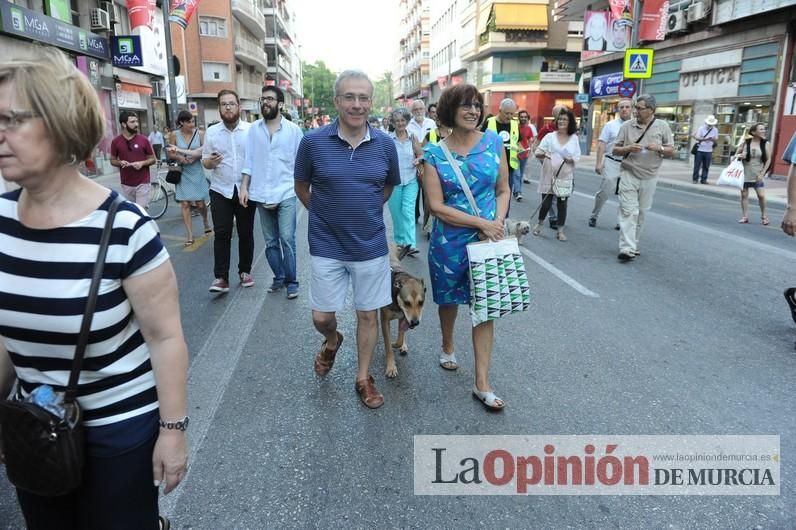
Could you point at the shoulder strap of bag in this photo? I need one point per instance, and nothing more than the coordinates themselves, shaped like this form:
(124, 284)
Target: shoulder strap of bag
(706, 133)
(645, 131)
(91, 303)
(460, 176)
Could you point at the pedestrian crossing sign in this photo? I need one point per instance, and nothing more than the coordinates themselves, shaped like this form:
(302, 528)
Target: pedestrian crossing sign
(638, 63)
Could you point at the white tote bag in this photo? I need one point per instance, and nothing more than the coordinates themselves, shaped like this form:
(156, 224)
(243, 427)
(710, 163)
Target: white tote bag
(732, 175)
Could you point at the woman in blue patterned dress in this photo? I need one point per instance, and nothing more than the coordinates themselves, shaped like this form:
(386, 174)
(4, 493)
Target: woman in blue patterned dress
(482, 160)
(186, 148)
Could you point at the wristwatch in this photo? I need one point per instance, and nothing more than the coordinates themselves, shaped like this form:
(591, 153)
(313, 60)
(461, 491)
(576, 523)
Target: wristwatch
(180, 425)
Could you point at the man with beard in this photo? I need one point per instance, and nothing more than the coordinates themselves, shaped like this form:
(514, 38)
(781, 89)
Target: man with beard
(268, 180)
(224, 152)
(345, 173)
(132, 154)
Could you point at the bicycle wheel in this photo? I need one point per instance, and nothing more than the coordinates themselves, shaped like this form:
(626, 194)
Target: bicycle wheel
(158, 201)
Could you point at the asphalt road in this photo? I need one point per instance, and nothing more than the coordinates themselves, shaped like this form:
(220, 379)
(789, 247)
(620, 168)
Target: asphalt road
(693, 337)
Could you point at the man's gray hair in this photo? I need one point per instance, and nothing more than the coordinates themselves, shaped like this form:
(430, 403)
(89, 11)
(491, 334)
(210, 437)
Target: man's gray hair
(506, 103)
(420, 101)
(351, 74)
(402, 112)
(649, 100)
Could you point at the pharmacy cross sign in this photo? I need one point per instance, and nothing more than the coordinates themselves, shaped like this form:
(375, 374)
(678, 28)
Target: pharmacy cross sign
(638, 63)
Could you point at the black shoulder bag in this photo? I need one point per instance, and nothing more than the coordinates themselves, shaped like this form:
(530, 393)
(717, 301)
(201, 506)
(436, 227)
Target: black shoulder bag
(174, 175)
(696, 145)
(45, 453)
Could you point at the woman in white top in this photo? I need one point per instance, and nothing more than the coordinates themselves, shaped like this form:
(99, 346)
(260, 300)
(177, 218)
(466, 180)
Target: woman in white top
(558, 152)
(402, 200)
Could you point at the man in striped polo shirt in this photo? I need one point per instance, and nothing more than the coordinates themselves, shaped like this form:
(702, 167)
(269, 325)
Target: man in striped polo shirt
(345, 172)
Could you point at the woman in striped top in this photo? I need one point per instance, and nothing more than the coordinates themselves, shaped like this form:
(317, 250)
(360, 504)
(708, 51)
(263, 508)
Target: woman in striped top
(133, 379)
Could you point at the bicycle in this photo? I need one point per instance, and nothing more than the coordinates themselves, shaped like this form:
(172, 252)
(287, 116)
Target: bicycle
(159, 197)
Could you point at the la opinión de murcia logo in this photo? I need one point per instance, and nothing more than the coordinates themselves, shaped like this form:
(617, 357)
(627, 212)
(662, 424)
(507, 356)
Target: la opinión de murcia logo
(630, 465)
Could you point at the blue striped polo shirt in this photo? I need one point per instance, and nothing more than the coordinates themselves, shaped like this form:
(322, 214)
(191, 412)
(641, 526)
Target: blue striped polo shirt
(346, 219)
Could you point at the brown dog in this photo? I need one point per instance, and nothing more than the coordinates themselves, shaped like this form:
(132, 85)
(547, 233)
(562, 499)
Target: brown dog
(408, 298)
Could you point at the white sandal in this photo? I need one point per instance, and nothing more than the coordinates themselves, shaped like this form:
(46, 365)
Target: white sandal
(448, 359)
(489, 399)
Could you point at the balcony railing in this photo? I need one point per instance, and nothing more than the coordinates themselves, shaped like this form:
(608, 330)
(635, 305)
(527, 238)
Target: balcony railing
(249, 16)
(250, 51)
(248, 89)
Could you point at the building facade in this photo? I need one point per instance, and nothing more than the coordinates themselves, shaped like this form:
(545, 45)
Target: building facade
(281, 46)
(411, 79)
(84, 32)
(726, 58)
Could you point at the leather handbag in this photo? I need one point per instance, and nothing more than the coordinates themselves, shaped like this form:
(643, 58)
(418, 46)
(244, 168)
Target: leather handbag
(45, 452)
(174, 174)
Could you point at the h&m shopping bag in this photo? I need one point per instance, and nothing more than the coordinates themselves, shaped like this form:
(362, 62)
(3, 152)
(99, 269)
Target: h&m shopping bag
(732, 175)
(498, 281)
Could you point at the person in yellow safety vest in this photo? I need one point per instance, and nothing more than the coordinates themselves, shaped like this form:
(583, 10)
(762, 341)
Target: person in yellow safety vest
(508, 128)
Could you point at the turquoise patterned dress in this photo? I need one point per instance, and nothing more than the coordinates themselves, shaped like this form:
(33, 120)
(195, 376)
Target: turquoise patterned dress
(447, 253)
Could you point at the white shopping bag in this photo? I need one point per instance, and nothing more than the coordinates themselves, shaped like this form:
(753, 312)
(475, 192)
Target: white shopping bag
(732, 175)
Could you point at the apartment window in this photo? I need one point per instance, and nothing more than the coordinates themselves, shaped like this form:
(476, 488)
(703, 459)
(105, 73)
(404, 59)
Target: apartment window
(212, 27)
(215, 71)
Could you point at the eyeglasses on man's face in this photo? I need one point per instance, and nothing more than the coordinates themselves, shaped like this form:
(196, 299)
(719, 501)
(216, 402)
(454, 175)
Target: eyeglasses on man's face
(637, 107)
(11, 119)
(228, 104)
(353, 98)
(268, 99)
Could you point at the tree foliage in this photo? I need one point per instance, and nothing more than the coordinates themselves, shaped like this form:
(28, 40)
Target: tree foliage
(382, 94)
(319, 87)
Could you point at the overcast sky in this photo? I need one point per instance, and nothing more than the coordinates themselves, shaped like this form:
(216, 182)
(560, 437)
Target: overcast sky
(348, 33)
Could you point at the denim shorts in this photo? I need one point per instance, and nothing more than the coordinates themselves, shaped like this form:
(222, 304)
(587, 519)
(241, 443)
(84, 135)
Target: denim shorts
(370, 280)
(757, 184)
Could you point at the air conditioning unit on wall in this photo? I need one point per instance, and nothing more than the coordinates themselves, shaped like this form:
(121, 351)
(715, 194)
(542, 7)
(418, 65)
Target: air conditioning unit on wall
(676, 22)
(99, 20)
(697, 11)
(113, 11)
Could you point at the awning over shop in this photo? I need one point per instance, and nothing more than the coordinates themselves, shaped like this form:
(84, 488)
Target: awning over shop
(520, 17)
(130, 86)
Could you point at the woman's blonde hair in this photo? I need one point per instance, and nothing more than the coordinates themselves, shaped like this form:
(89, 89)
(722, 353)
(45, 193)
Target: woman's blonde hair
(47, 83)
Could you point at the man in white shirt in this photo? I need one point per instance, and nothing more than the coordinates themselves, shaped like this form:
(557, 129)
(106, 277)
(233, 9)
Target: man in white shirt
(156, 139)
(268, 180)
(419, 125)
(607, 164)
(224, 153)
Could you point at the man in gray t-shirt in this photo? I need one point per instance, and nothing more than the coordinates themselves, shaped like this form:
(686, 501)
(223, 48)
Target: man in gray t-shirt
(643, 142)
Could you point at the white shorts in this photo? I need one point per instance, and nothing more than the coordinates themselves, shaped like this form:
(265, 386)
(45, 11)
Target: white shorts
(370, 281)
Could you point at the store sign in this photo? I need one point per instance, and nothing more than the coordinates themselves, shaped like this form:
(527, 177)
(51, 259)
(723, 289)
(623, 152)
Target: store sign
(557, 77)
(127, 50)
(604, 86)
(17, 20)
(128, 100)
(711, 76)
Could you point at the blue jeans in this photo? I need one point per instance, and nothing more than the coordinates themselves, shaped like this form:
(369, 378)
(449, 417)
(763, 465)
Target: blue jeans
(701, 162)
(279, 231)
(516, 177)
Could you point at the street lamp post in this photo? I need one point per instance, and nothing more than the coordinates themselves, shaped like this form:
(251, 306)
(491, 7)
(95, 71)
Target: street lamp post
(173, 109)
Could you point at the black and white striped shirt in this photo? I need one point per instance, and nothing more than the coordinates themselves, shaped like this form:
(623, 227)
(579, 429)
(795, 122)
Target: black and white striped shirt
(44, 282)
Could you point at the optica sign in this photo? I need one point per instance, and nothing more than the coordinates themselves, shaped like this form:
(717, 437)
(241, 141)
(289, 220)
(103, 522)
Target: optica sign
(603, 86)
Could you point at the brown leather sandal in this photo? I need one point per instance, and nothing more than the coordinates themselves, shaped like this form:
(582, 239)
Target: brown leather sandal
(324, 359)
(371, 397)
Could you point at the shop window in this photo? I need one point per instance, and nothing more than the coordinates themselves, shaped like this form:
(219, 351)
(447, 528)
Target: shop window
(734, 121)
(679, 119)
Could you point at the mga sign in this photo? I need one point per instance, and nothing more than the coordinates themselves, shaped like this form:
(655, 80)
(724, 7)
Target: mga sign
(127, 50)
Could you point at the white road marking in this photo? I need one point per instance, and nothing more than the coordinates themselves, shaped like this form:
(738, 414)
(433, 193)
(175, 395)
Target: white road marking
(212, 368)
(555, 271)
